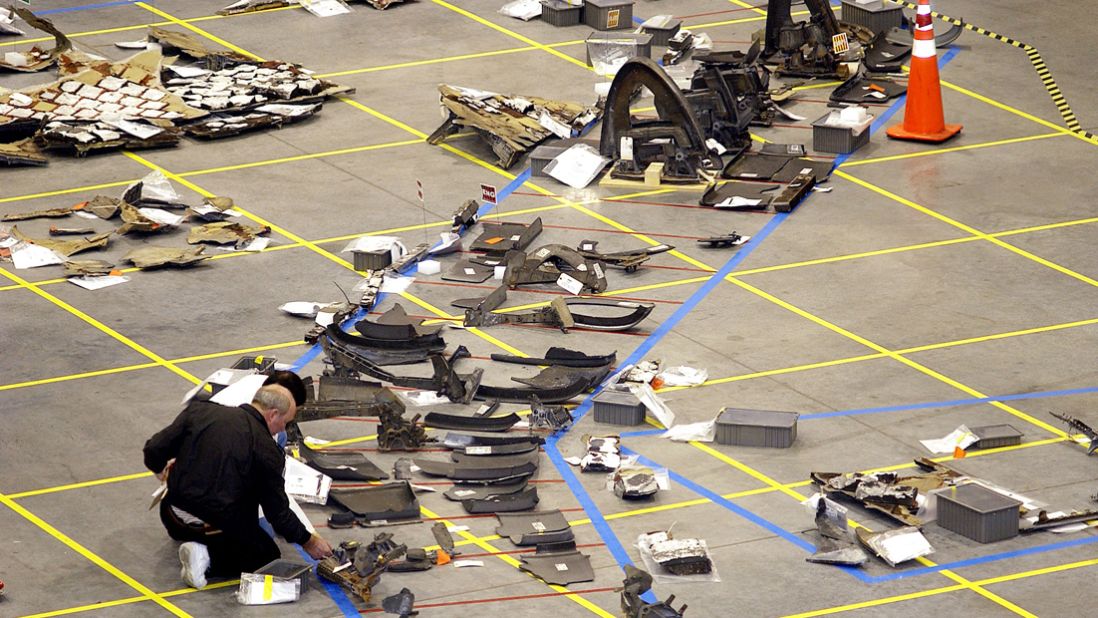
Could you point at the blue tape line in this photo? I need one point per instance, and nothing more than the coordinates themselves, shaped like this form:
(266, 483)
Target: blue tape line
(86, 7)
(502, 194)
(589, 507)
(951, 403)
(636, 434)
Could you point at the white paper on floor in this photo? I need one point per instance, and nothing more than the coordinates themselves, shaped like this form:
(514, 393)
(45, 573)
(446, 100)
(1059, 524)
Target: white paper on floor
(577, 166)
(522, 9)
(683, 376)
(960, 437)
(28, 255)
(95, 282)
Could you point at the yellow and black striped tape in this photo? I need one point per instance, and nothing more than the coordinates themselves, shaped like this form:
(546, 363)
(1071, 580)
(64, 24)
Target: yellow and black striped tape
(1034, 58)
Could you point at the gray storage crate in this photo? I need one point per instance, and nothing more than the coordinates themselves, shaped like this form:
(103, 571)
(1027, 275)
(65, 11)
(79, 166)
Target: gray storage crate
(978, 513)
(560, 13)
(838, 140)
(618, 408)
(630, 44)
(608, 14)
(770, 428)
(877, 15)
(662, 34)
(994, 436)
(372, 260)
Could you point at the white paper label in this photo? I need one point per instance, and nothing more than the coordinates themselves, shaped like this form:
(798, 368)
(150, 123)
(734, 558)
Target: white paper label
(478, 450)
(470, 271)
(561, 566)
(537, 525)
(569, 283)
(626, 148)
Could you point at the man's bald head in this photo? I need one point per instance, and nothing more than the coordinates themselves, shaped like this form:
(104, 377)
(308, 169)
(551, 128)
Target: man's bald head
(276, 404)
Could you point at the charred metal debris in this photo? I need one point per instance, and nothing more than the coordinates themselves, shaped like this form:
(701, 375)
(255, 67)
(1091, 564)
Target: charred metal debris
(509, 124)
(147, 100)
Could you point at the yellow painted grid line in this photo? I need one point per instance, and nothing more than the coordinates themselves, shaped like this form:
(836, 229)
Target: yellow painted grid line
(129, 600)
(196, 30)
(113, 334)
(87, 33)
(895, 356)
(967, 228)
(940, 151)
(472, 56)
(91, 556)
(511, 33)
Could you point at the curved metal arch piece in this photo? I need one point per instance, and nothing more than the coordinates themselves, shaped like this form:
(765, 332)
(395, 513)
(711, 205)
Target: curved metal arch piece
(669, 101)
(545, 266)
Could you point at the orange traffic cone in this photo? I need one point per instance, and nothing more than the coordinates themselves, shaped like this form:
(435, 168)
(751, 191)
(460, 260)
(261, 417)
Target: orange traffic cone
(923, 118)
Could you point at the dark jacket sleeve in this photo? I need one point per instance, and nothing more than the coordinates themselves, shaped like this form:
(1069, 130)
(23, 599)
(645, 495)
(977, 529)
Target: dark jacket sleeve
(165, 443)
(272, 496)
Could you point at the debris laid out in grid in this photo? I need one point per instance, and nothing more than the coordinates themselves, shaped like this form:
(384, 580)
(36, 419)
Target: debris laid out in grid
(510, 124)
(250, 6)
(148, 102)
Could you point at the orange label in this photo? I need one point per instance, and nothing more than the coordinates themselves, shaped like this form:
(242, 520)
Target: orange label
(612, 17)
(80, 206)
(494, 240)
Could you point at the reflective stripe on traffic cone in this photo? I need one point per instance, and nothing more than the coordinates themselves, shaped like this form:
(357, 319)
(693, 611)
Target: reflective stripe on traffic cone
(923, 117)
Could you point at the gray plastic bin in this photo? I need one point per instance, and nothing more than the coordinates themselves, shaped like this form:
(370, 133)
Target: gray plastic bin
(994, 436)
(608, 14)
(768, 428)
(372, 260)
(631, 44)
(838, 140)
(974, 511)
(560, 13)
(618, 408)
(877, 15)
(662, 34)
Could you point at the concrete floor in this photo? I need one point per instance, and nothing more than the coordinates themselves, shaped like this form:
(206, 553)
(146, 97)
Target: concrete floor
(926, 278)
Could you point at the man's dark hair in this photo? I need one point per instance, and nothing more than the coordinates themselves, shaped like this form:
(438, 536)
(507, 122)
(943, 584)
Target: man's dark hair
(291, 381)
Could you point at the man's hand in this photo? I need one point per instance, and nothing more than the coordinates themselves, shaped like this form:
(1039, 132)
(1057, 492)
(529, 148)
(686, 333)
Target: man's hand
(317, 547)
(163, 474)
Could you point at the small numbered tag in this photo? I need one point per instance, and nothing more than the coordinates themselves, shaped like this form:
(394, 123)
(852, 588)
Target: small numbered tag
(840, 43)
(569, 283)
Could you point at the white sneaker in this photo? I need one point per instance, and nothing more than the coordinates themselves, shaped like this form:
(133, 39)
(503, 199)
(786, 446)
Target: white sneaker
(195, 560)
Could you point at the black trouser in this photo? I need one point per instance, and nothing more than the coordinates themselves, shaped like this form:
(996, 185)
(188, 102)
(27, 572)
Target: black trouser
(244, 549)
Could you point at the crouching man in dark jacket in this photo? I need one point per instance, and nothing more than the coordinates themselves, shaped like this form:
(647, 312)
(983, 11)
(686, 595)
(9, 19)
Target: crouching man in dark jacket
(221, 465)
